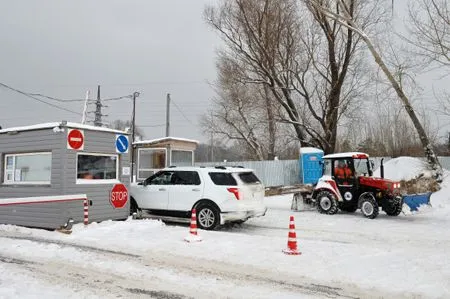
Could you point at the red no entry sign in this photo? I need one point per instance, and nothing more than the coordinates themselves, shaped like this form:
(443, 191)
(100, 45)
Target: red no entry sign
(75, 139)
(119, 196)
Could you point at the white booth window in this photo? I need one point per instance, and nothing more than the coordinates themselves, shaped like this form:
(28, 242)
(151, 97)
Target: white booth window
(182, 158)
(29, 168)
(150, 161)
(97, 168)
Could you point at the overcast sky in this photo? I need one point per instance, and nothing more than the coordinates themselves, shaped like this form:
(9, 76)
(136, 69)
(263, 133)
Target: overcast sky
(63, 48)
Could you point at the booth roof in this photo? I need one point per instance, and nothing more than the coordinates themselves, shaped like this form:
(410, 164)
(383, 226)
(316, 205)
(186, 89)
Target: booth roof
(57, 124)
(164, 139)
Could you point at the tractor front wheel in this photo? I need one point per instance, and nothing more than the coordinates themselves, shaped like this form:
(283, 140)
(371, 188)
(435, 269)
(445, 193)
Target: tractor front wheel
(326, 203)
(394, 206)
(369, 206)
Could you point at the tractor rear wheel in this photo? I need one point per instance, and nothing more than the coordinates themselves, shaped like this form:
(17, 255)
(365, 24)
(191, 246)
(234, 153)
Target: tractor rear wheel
(394, 206)
(326, 203)
(369, 206)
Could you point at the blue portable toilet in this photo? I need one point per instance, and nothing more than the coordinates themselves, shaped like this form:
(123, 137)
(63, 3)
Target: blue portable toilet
(310, 165)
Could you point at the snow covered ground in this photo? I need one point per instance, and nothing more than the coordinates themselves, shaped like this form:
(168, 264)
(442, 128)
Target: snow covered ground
(344, 255)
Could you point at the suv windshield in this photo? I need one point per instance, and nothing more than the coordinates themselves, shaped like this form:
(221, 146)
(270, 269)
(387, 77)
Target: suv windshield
(222, 178)
(248, 177)
(361, 167)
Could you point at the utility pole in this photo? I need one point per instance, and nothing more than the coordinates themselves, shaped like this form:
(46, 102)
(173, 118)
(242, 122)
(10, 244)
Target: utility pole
(168, 116)
(133, 134)
(98, 110)
(211, 145)
(83, 120)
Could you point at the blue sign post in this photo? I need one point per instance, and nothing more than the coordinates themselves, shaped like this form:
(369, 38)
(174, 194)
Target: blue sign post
(122, 144)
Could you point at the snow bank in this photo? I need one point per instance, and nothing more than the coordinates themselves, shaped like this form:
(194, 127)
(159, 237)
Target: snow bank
(404, 168)
(441, 199)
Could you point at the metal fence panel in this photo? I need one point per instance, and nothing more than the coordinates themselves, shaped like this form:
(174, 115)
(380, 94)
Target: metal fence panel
(286, 172)
(271, 173)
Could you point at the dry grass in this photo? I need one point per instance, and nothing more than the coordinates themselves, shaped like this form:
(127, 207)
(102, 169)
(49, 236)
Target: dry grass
(419, 185)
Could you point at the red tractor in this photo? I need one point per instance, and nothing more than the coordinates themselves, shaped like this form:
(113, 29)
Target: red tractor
(348, 184)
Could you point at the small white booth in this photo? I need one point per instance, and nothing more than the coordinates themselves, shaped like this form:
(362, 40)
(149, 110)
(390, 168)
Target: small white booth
(153, 155)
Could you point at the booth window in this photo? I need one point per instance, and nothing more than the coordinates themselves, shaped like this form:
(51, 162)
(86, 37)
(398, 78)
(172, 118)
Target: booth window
(29, 168)
(150, 161)
(182, 158)
(96, 168)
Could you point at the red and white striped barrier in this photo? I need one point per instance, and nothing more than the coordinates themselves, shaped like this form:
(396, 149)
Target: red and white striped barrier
(49, 199)
(86, 211)
(41, 199)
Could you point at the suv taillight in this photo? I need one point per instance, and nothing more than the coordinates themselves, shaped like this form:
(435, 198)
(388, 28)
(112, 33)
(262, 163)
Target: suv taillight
(236, 192)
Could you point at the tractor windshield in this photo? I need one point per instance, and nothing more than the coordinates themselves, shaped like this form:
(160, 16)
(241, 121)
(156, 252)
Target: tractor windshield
(362, 167)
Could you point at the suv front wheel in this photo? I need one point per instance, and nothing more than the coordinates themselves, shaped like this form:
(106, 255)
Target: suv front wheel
(208, 216)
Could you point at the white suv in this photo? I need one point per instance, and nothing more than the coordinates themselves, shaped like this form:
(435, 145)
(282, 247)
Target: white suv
(219, 194)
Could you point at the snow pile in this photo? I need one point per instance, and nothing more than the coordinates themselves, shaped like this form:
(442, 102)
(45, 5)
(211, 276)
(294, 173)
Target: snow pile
(441, 199)
(404, 168)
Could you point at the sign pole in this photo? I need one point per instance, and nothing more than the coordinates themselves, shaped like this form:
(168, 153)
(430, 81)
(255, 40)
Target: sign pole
(133, 134)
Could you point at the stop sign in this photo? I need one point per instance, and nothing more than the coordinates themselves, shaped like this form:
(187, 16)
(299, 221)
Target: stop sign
(75, 139)
(119, 196)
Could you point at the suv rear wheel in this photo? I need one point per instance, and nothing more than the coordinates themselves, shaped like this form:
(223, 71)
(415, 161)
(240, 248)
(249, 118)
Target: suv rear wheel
(208, 216)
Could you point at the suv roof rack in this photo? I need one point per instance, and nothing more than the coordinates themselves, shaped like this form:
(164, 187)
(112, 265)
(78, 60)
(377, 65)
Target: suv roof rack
(220, 167)
(172, 166)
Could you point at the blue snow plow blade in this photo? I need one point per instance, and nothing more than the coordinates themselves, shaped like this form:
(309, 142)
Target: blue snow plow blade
(416, 200)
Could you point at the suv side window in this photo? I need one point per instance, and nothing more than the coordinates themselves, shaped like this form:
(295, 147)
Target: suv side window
(160, 178)
(248, 177)
(222, 178)
(185, 178)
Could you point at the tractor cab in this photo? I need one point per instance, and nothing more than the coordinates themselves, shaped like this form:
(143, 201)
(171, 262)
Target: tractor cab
(348, 184)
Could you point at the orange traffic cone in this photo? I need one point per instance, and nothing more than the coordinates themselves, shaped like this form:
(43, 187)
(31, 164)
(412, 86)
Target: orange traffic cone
(193, 236)
(292, 239)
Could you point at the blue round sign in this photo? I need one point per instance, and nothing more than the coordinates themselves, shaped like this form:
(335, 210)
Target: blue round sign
(122, 144)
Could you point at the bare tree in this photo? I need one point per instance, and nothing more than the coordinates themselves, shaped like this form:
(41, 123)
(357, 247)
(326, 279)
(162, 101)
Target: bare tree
(429, 30)
(429, 35)
(344, 17)
(304, 59)
(125, 125)
(243, 113)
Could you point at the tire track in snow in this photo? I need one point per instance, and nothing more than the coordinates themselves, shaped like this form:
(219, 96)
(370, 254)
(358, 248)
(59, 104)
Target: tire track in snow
(61, 243)
(200, 267)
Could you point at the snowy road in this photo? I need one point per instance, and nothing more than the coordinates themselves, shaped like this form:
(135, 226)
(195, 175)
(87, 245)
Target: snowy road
(343, 256)
(151, 275)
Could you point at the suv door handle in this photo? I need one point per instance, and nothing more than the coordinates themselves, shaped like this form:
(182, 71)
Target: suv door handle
(162, 189)
(196, 189)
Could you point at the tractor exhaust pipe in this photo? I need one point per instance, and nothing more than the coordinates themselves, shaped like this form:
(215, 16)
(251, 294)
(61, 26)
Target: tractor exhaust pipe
(382, 169)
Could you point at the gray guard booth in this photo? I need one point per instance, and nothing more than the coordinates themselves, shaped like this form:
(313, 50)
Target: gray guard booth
(46, 170)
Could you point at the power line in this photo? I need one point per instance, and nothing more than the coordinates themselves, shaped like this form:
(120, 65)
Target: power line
(150, 126)
(182, 113)
(37, 99)
(56, 99)
(79, 100)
